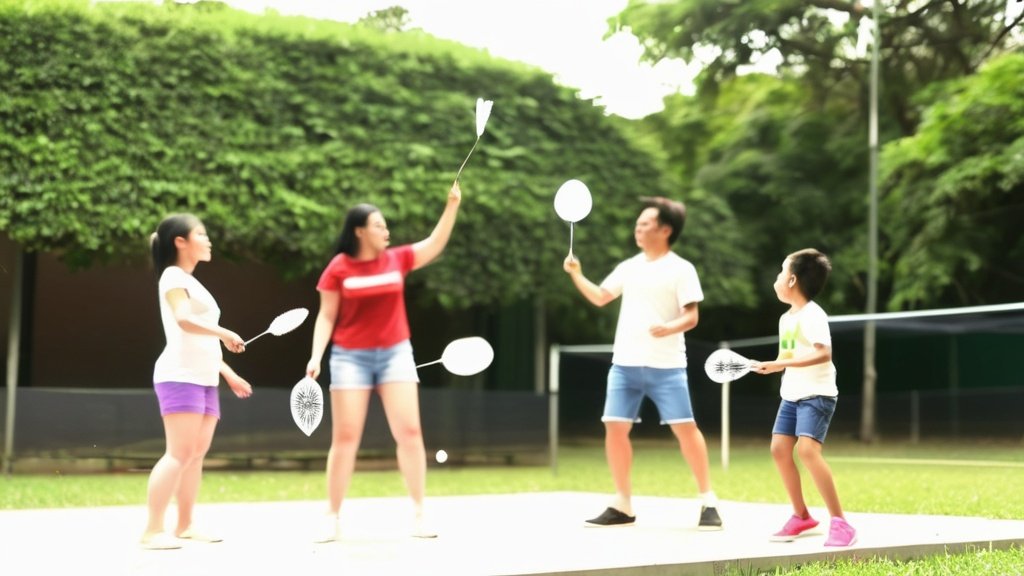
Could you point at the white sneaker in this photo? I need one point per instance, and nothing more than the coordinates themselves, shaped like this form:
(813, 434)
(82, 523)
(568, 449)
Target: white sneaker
(159, 541)
(422, 529)
(329, 530)
(191, 534)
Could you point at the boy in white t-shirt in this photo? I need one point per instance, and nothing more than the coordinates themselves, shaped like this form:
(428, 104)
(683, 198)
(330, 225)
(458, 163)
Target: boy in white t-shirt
(808, 394)
(660, 294)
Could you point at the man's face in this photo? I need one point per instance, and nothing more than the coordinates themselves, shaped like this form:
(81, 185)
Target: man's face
(648, 232)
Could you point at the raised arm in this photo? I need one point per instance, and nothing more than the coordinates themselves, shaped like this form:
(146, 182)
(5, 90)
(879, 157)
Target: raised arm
(426, 250)
(595, 294)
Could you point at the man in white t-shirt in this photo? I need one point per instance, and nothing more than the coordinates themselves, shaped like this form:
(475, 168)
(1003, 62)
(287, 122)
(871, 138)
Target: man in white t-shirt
(660, 293)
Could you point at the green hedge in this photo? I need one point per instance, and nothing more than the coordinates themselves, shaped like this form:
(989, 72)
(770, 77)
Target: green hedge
(270, 127)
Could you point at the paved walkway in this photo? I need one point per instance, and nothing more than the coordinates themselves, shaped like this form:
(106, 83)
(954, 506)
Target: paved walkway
(537, 533)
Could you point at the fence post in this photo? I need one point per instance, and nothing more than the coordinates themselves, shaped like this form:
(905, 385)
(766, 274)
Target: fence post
(553, 361)
(13, 354)
(915, 417)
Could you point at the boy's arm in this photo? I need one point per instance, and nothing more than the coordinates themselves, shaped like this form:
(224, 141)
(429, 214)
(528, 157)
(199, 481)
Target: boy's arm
(820, 355)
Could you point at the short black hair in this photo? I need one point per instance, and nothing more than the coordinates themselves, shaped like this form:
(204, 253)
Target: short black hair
(670, 213)
(811, 269)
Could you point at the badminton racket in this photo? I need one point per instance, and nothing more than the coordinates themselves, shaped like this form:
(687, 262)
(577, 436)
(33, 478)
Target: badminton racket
(465, 356)
(307, 404)
(284, 323)
(572, 204)
(725, 365)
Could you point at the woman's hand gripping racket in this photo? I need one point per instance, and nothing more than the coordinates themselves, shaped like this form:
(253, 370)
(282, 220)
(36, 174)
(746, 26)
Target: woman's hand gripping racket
(725, 365)
(284, 323)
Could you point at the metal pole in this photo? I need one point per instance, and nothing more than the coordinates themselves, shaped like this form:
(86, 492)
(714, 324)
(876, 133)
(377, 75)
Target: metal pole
(915, 417)
(725, 425)
(867, 429)
(553, 358)
(13, 355)
(725, 416)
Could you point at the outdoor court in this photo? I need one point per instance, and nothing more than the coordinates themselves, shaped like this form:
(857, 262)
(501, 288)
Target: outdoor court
(530, 533)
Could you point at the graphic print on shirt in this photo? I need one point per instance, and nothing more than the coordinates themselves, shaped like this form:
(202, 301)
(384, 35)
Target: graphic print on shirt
(375, 285)
(787, 341)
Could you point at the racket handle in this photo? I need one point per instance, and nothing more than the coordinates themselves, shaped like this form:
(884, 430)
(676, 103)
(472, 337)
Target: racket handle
(429, 363)
(467, 159)
(255, 337)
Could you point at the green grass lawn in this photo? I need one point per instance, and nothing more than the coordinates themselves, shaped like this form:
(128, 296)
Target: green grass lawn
(869, 479)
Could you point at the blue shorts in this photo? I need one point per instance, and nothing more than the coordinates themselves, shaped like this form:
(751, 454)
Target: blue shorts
(360, 368)
(666, 387)
(808, 417)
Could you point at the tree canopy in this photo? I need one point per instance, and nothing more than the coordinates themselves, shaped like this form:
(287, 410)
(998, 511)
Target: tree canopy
(787, 156)
(955, 192)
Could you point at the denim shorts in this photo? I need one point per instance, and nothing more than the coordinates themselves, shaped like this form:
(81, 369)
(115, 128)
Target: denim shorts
(360, 368)
(666, 387)
(807, 417)
(186, 398)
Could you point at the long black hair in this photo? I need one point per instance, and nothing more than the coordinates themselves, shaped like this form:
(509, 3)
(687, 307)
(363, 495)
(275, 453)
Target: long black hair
(356, 218)
(161, 243)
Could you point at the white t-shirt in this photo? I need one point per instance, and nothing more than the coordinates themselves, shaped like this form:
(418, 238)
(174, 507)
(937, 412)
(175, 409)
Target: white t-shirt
(798, 333)
(653, 292)
(188, 357)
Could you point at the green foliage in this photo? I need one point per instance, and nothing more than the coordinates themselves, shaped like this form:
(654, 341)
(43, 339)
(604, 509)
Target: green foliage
(779, 174)
(393, 19)
(788, 155)
(954, 193)
(270, 127)
(922, 42)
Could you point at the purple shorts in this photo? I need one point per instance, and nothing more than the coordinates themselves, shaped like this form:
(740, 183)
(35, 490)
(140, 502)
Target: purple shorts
(185, 398)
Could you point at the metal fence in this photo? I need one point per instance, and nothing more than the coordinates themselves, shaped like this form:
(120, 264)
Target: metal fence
(123, 425)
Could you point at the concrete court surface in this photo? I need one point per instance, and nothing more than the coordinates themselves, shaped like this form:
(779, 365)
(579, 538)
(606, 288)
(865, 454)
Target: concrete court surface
(529, 533)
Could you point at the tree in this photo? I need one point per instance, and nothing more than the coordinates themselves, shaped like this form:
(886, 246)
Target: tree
(955, 193)
(922, 42)
(393, 19)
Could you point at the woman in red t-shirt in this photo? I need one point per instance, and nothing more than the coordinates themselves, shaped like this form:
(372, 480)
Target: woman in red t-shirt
(362, 314)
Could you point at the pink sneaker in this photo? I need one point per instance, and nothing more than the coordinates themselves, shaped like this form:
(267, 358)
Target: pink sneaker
(794, 527)
(841, 533)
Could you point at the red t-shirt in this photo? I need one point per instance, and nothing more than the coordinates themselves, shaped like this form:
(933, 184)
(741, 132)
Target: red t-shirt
(371, 311)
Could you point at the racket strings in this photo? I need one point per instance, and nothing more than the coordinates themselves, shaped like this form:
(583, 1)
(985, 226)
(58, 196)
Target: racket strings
(307, 407)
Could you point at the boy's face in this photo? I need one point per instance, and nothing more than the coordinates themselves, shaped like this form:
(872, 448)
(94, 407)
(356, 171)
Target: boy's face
(785, 283)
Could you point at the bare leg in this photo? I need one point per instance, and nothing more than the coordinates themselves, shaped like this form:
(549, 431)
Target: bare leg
(618, 450)
(809, 451)
(695, 452)
(181, 432)
(348, 417)
(192, 474)
(402, 407)
(782, 454)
